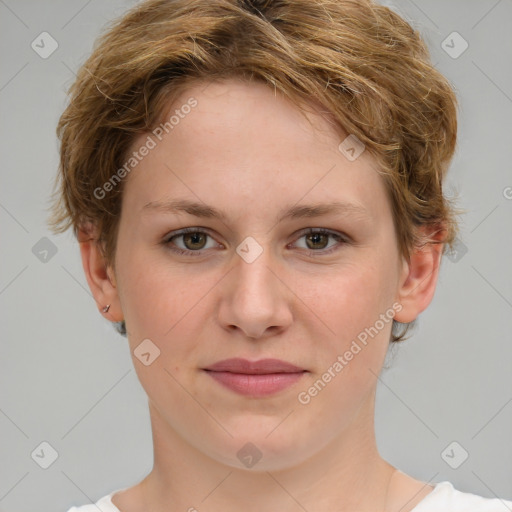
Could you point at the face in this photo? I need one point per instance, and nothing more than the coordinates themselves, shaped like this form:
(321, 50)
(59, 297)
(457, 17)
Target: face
(256, 283)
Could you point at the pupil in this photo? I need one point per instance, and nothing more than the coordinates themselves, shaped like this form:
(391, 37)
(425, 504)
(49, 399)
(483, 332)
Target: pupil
(194, 237)
(315, 236)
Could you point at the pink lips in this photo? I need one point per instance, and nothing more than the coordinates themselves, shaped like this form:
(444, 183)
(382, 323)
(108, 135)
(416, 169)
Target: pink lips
(255, 378)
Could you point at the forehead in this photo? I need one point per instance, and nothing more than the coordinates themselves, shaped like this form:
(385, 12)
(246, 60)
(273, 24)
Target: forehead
(239, 111)
(246, 144)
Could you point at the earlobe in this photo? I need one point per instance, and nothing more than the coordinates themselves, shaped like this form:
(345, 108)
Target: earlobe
(418, 281)
(100, 277)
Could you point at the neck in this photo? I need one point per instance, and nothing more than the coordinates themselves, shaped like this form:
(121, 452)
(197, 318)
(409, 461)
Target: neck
(348, 474)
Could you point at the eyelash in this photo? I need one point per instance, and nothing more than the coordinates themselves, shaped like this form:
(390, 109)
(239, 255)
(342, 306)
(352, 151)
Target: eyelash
(342, 239)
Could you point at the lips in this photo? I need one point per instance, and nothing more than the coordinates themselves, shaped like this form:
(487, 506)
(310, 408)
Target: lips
(263, 366)
(255, 378)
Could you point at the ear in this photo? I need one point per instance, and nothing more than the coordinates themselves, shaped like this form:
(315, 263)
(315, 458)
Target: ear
(418, 279)
(100, 277)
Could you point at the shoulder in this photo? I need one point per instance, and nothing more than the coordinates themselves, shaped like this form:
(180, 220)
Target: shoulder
(102, 505)
(448, 499)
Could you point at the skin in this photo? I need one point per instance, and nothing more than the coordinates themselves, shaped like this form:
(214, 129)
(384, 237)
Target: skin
(249, 152)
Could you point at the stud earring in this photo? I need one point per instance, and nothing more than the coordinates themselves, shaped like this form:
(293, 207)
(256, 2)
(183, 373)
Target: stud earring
(106, 308)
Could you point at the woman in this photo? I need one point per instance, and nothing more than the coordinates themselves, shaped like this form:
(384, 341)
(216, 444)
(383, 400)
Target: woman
(257, 192)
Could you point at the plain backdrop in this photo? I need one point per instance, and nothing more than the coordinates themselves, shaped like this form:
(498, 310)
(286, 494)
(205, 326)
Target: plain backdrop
(444, 407)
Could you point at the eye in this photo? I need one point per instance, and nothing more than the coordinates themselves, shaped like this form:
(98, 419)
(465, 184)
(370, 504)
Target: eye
(317, 238)
(193, 238)
(194, 241)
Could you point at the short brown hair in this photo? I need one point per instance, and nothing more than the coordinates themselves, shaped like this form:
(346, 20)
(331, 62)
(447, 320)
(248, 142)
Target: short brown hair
(361, 61)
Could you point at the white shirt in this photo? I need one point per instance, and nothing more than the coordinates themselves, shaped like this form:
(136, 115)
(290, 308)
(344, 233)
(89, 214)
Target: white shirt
(443, 498)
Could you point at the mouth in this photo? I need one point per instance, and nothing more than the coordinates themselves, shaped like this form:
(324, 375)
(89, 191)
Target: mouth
(255, 378)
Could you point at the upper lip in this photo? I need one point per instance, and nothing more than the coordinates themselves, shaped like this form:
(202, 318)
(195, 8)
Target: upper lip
(263, 366)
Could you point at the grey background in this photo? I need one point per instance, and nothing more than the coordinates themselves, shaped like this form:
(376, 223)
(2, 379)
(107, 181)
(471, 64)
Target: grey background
(66, 376)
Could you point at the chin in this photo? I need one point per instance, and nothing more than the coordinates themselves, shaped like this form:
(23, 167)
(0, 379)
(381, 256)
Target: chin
(254, 449)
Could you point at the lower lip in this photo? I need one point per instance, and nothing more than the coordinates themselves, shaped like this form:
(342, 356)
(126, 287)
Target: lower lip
(256, 385)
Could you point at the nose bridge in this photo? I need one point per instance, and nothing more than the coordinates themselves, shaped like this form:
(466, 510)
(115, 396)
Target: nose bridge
(255, 273)
(255, 299)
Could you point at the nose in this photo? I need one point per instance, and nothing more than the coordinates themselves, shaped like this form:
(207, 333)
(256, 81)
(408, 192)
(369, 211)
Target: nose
(255, 298)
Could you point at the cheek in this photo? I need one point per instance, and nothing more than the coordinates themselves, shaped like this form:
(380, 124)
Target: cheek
(169, 304)
(353, 346)
(347, 309)
(349, 298)
(159, 306)
(154, 298)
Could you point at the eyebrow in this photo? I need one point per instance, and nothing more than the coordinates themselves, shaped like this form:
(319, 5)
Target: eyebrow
(205, 211)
